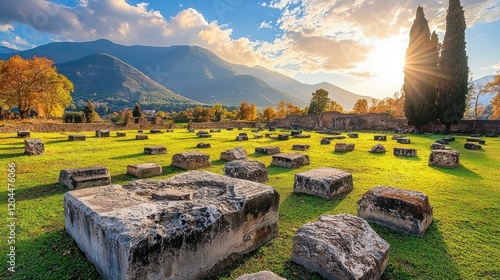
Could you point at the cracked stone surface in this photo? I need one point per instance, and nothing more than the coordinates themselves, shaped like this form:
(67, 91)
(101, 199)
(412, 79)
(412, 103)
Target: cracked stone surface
(326, 182)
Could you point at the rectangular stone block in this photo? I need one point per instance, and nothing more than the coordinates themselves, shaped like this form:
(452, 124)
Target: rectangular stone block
(85, 177)
(405, 152)
(33, 147)
(144, 170)
(186, 227)
(155, 150)
(344, 147)
(23, 134)
(380, 137)
(326, 182)
(290, 160)
(283, 137)
(444, 158)
(141, 137)
(155, 131)
(121, 134)
(300, 147)
(268, 150)
(191, 160)
(257, 136)
(77, 137)
(102, 133)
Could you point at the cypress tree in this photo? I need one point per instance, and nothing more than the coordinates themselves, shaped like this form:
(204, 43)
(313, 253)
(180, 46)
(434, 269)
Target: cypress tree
(453, 68)
(137, 112)
(420, 70)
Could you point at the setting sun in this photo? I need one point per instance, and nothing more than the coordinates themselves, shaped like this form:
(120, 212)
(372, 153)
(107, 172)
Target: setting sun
(387, 59)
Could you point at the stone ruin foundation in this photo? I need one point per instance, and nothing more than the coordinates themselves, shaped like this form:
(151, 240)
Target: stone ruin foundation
(247, 169)
(144, 170)
(191, 160)
(33, 147)
(234, 154)
(141, 137)
(102, 133)
(85, 177)
(268, 150)
(403, 210)
(341, 247)
(378, 149)
(405, 152)
(155, 150)
(444, 158)
(344, 147)
(290, 160)
(326, 182)
(186, 227)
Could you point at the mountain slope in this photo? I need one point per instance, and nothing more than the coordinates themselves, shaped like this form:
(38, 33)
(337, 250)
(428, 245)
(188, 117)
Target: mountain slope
(5, 50)
(104, 78)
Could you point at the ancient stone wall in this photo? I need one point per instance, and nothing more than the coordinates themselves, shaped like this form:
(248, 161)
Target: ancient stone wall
(224, 125)
(468, 126)
(75, 127)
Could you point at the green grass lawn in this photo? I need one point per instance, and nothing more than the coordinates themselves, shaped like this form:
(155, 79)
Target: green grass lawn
(463, 242)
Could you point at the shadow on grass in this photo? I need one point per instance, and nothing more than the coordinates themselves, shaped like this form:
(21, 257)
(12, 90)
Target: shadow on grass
(275, 170)
(460, 171)
(219, 162)
(256, 155)
(130, 156)
(13, 155)
(60, 141)
(40, 191)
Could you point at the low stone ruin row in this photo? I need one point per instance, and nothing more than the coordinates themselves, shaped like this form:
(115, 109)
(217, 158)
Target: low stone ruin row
(184, 227)
(85, 177)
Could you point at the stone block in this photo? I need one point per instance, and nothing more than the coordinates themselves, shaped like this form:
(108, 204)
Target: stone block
(475, 135)
(144, 170)
(302, 136)
(378, 149)
(215, 130)
(247, 169)
(23, 134)
(121, 134)
(344, 147)
(473, 139)
(169, 130)
(255, 130)
(444, 158)
(141, 137)
(326, 182)
(77, 137)
(449, 139)
(230, 128)
(234, 154)
(85, 177)
(472, 146)
(334, 132)
(184, 227)
(404, 141)
(268, 150)
(341, 247)
(403, 210)
(283, 137)
(242, 138)
(336, 137)
(442, 142)
(396, 137)
(155, 150)
(33, 147)
(300, 147)
(353, 135)
(155, 131)
(290, 160)
(258, 136)
(191, 160)
(262, 275)
(295, 132)
(437, 146)
(140, 131)
(405, 152)
(326, 141)
(380, 137)
(203, 145)
(191, 130)
(272, 129)
(102, 133)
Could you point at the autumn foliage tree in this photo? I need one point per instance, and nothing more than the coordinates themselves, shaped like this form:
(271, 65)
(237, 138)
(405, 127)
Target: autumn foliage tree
(319, 102)
(494, 87)
(34, 84)
(269, 114)
(287, 108)
(361, 106)
(247, 112)
(334, 106)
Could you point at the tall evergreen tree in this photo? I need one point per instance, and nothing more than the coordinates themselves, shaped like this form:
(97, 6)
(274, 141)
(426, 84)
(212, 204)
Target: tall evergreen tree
(137, 112)
(420, 70)
(453, 67)
(319, 102)
(89, 113)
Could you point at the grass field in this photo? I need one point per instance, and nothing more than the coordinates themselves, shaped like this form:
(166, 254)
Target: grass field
(463, 242)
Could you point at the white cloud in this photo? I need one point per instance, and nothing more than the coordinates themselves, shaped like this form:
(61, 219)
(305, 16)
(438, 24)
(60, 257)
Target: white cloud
(494, 67)
(6, 28)
(265, 24)
(10, 45)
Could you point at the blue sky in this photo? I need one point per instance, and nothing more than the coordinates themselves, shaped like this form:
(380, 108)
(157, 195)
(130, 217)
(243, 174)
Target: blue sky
(355, 44)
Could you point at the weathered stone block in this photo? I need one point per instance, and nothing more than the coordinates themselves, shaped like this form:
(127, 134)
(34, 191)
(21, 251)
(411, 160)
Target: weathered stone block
(203, 145)
(380, 137)
(255, 130)
(334, 132)
(230, 128)
(444, 158)
(191, 160)
(102, 133)
(121, 134)
(85, 177)
(295, 132)
(344, 147)
(141, 137)
(337, 137)
(269, 150)
(300, 147)
(247, 169)
(144, 170)
(33, 147)
(23, 134)
(396, 137)
(442, 142)
(155, 131)
(215, 130)
(341, 247)
(77, 137)
(474, 140)
(169, 130)
(449, 139)
(437, 146)
(403, 210)
(326, 141)
(242, 138)
(234, 154)
(353, 135)
(326, 182)
(290, 160)
(472, 146)
(184, 227)
(302, 136)
(283, 137)
(258, 136)
(262, 275)
(378, 149)
(404, 140)
(155, 150)
(140, 131)
(405, 152)
(272, 129)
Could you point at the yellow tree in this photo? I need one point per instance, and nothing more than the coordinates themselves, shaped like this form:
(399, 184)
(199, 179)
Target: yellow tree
(494, 86)
(34, 84)
(361, 106)
(269, 114)
(334, 106)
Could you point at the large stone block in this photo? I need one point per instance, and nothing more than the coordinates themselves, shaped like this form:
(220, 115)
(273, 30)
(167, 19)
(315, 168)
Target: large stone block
(344, 147)
(378, 149)
(380, 137)
(121, 134)
(155, 131)
(353, 135)
(33, 147)
(402, 210)
(141, 137)
(300, 147)
(191, 160)
(262, 275)
(444, 158)
(155, 150)
(326, 182)
(234, 154)
(290, 160)
(144, 170)
(472, 146)
(268, 150)
(23, 134)
(184, 227)
(247, 169)
(437, 146)
(326, 141)
(203, 145)
(341, 247)
(85, 177)
(404, 140)
(405, 152)
(77, 137)
(102, 133)
(283, 137)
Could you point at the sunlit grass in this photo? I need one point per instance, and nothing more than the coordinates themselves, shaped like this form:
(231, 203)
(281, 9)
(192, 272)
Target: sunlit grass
(462, 243)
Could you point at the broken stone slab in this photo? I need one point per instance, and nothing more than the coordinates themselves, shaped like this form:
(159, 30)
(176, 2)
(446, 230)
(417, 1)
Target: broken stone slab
(140, 231)
(33, 147)
(437, 146)
(283, 137)
(23, 134)
(85, 177)
(326, 182)
(268, 150)
(77, 137)
(444, 158)
(404, 140)
(234, 154)
(141, 137)
(341, 247)
(121, 134)
(300, 147)
(262, 275)
(326, 141)
(472, 146)
(403, 210)
(378, 149)
(344, 147)
(102, 133)
(257, 136)
(405, 152)
(247, 169)
(191, 160)
(144, 170)
(203, 145)
(290, 160)
(353, 135)
(380, 137)
(155, 150)
(155, 131)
